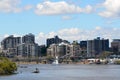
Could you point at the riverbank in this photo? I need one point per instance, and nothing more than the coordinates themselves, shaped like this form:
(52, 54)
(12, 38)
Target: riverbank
(34, 62)
(79, 62)
(27, 63)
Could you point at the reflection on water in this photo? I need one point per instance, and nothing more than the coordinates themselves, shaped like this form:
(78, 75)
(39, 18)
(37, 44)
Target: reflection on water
(66, 72)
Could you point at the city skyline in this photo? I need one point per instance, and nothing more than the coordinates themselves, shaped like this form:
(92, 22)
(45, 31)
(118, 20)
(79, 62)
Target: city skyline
(56, 37)
(69, 19)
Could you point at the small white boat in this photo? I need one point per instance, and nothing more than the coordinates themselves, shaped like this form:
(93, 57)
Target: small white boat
(36, 71)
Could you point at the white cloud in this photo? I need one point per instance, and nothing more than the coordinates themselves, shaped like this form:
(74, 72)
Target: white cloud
(71, 31)
(61, 7)
(112, 8)
(71, 34)
(88, 9)
(40, 38)
(9, 6)
(98, 28)
(28, 7)
(66, 17)
(6, 35)
(51, 34)
(13, 6)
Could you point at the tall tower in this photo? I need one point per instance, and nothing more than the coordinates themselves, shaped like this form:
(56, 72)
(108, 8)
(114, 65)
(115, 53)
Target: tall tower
(28, 48)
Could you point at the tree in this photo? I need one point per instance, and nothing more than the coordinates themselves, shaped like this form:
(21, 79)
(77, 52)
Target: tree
(2, 54)
(7, 67)
(43, 51)
(50, 59)
(105, 54)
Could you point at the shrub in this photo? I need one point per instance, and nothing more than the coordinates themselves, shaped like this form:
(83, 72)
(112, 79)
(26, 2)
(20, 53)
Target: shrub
(7, 67)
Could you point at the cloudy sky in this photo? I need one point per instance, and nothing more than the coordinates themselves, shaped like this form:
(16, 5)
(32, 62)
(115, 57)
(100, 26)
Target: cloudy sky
(69, 19)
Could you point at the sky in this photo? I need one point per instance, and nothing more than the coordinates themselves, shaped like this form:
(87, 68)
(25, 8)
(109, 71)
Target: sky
(69, 19)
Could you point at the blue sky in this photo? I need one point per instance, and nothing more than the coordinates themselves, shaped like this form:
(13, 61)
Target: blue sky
(84, 19)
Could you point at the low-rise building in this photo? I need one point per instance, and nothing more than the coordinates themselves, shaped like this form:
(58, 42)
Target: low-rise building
(63, 49)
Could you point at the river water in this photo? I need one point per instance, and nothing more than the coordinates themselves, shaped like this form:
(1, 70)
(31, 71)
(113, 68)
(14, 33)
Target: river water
(66, 72)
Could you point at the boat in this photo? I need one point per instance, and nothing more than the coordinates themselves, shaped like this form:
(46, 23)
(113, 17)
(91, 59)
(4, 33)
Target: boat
(36, 70)
(91, 61)
(98, 62)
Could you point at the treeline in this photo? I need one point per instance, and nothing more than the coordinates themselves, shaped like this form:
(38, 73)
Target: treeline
(7, 67)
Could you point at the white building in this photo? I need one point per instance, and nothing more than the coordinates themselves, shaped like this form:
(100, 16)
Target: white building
(63, 49)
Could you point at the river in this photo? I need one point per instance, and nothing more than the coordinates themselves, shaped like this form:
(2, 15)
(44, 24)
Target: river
(66, 72)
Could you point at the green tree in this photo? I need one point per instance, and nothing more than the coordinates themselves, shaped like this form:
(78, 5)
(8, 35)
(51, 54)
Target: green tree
(43, 51)
(7, 67)
(2, 54)
(105, 54)
(50, 59)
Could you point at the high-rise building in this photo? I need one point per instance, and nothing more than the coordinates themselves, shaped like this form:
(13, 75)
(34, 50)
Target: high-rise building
(29, 38)
(27, 50)
(97, 46)
(9, 45)
(83, 44)
(105, 45)
(15, 46)
(115, 45)
(90, 48)
(55, 40)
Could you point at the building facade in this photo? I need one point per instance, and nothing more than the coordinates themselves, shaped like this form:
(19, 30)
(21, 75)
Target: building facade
(10, 42)
(52, 50)
(29, 38)
(97, 46)
(63, 49)
(9, 45)
(28, 48)
(17, 46)
(115, 45)
(55, 40)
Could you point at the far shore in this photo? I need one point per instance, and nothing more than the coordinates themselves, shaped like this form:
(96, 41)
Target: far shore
(27, 63)
(34, 62)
